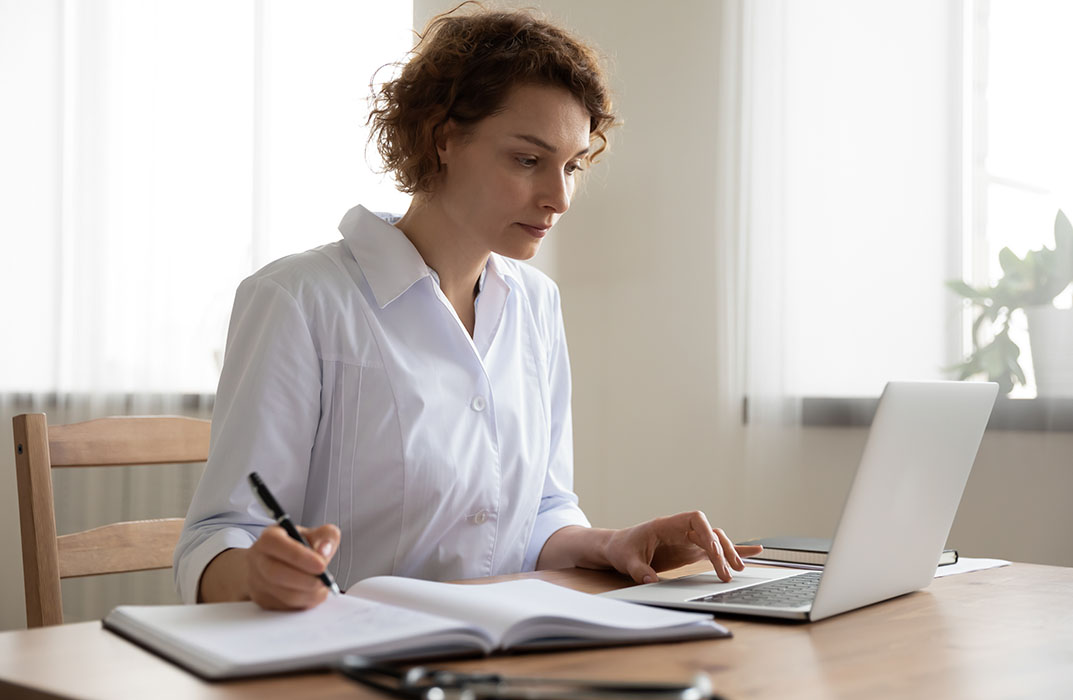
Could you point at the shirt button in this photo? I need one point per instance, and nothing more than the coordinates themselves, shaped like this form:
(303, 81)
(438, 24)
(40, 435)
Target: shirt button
(478, 403)
(480, 517)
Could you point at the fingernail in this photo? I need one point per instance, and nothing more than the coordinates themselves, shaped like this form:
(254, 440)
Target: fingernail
(326, 549)
(650, 579)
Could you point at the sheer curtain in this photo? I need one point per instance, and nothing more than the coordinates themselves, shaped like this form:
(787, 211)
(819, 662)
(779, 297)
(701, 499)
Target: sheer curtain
(154, 154)
(887, 148)
(849, 198)
(883, 149)
(838, 226)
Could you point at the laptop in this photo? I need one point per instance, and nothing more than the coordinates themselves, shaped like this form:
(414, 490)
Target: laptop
(894, 524)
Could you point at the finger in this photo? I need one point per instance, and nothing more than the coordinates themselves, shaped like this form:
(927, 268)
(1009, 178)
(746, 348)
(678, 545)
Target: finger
(266, 600)
(729, 552)
(274, 585)
(324, 539)
(276, 574)
(283, 587)
(285, 599)
(748, 550)
(275, 543)
(640, 571)
(704, 536)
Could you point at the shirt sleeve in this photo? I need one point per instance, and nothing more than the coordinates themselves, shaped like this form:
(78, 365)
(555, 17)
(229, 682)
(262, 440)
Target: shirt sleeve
(558, 502)
(264, 419)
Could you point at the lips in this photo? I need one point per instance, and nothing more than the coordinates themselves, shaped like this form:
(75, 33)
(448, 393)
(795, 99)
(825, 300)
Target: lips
(535, 231)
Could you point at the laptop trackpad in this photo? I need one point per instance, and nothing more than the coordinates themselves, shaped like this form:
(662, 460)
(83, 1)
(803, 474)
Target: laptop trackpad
(696, 585)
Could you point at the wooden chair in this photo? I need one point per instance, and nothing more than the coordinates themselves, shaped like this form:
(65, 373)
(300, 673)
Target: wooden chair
(119, 547)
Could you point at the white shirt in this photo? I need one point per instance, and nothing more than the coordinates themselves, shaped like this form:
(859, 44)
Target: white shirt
(352, 387)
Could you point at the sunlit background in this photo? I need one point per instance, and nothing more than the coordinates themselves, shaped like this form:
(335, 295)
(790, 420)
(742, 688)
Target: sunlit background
(159, 153)
(791, 188)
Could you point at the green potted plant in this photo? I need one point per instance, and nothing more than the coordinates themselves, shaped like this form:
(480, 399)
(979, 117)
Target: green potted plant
(1030, 283)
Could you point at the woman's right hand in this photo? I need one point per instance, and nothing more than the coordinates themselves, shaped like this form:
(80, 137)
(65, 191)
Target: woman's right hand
(276, 572)
(283, 574)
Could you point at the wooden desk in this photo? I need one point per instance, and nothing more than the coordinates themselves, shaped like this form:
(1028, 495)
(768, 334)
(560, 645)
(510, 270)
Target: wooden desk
(999, 633)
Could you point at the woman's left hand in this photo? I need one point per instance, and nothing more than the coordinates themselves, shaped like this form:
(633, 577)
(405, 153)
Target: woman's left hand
(672, 541)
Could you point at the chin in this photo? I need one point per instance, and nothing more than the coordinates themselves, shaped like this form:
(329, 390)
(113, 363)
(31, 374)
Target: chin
(520, 252)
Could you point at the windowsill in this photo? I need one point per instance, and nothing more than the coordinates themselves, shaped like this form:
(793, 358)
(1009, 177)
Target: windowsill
(1045, 414)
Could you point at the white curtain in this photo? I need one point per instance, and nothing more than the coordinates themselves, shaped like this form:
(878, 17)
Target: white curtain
(152, 154)
(849, 198)
(158, 153)
(886, 148)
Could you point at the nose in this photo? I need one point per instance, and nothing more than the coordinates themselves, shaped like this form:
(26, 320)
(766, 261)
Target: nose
(556, 190)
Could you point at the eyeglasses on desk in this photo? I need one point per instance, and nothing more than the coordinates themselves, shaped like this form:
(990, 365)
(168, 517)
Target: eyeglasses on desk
(421, 683)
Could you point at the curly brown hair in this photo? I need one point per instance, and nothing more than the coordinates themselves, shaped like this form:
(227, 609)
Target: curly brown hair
(462, 69)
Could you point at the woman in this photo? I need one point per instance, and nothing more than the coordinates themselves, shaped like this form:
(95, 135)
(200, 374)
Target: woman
(409, 385)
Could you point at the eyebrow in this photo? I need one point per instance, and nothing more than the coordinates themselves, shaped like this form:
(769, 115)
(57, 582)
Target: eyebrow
(541, 143)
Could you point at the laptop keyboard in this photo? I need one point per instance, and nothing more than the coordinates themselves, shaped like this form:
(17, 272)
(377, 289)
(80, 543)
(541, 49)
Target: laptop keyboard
(781, 593)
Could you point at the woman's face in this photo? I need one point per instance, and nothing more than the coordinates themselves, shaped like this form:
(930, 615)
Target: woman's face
(509, 178)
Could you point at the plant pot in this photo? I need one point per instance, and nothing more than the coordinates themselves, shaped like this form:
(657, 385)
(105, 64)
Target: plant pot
(1050, 334)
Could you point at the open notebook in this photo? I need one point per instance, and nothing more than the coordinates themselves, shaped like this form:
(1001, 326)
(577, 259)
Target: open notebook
(388, 618)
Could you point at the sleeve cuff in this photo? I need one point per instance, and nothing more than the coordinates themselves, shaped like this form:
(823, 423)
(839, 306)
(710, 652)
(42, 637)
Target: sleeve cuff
(547, 524)
(188, 575)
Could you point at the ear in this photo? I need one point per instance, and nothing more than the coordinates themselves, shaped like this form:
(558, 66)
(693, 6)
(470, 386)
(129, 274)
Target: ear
(442, 136)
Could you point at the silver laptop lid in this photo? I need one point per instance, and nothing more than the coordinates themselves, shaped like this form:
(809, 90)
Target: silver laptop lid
(901, 505)
(896, 517)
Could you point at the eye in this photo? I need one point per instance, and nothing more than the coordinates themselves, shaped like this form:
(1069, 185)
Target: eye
(572, 168)
(526, 161)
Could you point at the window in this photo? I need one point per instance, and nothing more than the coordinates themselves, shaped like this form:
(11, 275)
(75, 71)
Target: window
(1018, 141)
(888, 148)
(163, 151)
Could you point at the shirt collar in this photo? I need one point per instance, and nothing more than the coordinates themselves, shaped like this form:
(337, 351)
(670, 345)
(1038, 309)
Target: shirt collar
(389, 260)
(501, 268)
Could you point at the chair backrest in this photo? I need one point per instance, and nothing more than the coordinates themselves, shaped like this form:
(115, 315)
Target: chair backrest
(115, 548)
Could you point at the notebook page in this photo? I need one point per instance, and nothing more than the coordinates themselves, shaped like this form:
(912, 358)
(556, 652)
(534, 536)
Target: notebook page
(499, 607)
(219, 638)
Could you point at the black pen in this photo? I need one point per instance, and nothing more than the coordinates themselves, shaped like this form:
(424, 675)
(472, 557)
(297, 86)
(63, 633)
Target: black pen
(270, 503)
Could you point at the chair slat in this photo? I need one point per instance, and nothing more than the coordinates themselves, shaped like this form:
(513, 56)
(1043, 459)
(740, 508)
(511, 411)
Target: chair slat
(119, 547)
(37, 520)
(129, 440)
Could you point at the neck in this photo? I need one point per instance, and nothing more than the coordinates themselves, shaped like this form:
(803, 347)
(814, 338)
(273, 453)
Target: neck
(444, 247)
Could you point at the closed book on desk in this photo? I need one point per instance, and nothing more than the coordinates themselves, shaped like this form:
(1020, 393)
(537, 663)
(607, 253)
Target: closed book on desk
(390, 618)
(811, 551)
